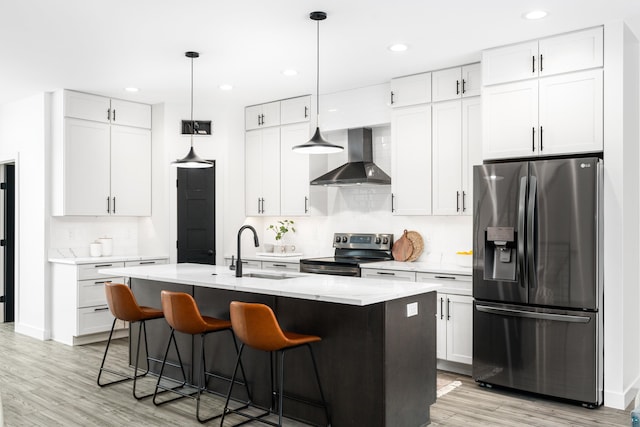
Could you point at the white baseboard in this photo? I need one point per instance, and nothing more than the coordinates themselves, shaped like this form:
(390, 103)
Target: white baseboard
(32, 332)
(621, 400)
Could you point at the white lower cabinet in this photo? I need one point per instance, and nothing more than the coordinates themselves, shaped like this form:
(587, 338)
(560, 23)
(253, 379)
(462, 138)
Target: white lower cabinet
(374, 273)
(266, 265)
(455, 328)
(79, 311)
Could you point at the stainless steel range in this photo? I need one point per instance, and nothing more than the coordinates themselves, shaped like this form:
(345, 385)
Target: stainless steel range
(351, 251)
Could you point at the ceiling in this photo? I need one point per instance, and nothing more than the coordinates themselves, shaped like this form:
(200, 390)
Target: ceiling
(104, 46)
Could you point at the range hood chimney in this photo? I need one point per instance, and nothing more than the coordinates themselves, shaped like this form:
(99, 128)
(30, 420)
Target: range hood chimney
(359, 168)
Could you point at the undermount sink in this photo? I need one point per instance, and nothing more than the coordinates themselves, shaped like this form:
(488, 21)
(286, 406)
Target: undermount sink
(272, 276)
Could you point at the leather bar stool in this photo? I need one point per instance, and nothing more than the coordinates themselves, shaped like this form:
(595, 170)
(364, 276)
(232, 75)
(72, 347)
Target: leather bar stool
(123, 306)
(256, 326)
(182, 315)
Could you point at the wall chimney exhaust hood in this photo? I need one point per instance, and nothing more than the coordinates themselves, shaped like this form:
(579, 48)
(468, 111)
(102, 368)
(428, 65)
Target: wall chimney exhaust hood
(359, 169)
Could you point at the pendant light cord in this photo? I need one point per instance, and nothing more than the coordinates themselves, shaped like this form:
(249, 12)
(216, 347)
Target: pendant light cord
(192, 126)
(318, 74)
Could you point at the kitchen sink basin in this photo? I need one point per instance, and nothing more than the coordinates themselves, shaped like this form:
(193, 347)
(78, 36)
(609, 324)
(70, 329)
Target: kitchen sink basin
(272, 276)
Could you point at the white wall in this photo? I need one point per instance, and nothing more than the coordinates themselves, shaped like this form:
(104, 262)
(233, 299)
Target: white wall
(24, 136)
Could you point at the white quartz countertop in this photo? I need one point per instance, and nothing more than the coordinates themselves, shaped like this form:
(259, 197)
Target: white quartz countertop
(319, 287)
(107, 259)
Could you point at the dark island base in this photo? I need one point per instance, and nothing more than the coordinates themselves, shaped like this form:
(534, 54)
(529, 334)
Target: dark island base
(377, 366)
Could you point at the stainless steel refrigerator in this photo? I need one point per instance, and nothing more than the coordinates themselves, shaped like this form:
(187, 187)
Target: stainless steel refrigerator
(537, 277)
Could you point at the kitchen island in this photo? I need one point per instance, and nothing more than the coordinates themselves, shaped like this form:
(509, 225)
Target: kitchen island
(377, 357)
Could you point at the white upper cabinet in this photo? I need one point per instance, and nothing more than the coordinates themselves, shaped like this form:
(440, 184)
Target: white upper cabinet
(100, 109)
(294, 171)
(100, 168)
(262, 172)
(411, 90)
(575, 51)
(295, 110)
(454, 83)
(262, 116)
(365, 106)
(411, 160)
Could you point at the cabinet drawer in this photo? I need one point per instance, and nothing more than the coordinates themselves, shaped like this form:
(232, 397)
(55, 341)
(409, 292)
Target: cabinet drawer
(407, 276)
(90, 271)
(280, 266)
(93, 319)
(145, 262)
(421, 277)
(91, 292)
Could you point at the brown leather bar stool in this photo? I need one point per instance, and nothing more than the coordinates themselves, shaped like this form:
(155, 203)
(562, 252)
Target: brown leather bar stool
(255, 325)
(123, 306)
(182, 315)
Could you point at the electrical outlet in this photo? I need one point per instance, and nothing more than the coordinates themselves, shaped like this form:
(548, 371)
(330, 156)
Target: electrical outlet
(412, 309)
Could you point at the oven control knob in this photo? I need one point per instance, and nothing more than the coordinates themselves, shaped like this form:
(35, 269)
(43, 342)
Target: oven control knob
(338, 239)
(344, 239)
(378, 240)
(385, 240)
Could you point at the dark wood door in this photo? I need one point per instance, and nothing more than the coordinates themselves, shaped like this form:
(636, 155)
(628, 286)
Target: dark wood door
(196, 215)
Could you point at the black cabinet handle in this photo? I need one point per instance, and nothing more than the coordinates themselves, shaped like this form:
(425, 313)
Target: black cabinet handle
(108, 114)
(457, 201)
(533, 64)
(259, 205)
(533, 139)
(385, 273)
(540, 62)
(101, 309)
(114, 205)
(392, 207)
(448, 309)
(441, 308)
(463, 88)
(147, 262)
(280, 265)
(464, 208)
(457, 87)
(541, 146)
(306, 111)
(445, 277)
(306, 204)
(108, 205)
(114, 114)
(392, 97)
(103, 265)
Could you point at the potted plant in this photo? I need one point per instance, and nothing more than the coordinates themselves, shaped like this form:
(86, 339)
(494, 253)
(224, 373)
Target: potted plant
(281, 228)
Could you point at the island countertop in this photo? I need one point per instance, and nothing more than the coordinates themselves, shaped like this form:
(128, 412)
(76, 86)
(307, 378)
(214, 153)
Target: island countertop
(316, 287)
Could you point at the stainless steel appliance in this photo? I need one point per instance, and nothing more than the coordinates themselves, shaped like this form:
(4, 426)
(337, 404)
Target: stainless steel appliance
(537, 277)
(351, 250)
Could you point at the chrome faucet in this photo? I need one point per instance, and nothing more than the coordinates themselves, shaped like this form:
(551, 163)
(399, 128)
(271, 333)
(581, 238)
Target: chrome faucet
(255, 241)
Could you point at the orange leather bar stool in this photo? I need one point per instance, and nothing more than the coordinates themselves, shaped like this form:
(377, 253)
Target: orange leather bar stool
(182, 315)
(123, 306)
(255, 325)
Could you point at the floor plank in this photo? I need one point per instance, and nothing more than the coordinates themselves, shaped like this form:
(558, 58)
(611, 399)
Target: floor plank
(44, 383)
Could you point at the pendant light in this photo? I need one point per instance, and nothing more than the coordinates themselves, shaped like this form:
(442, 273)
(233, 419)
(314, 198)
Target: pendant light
(317, 144)
(192, 160)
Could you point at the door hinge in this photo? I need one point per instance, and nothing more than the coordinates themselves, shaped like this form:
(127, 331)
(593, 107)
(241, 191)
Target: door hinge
(3, 242)
(3, 185)
(2, 299)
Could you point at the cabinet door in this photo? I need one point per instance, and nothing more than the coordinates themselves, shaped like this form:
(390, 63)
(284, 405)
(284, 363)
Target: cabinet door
(253, 172)
(86, 170)
(252, 117)
(271, 171)
(404, 276)
(446, 84)
(294, 174)
(571, 113)
(130, 171)
(271, 114)
(460, 328)
(411, 90)
(295, 110)
(441, 327)
(471, 148)
(411, 159)
(128, 113)
(447, 157)
(571, 52)
(510, 63)
(471, 80)
(85, 106)
(510, 119)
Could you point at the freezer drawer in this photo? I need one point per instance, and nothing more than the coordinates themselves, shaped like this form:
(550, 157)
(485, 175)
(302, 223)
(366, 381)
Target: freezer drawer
(552, 352)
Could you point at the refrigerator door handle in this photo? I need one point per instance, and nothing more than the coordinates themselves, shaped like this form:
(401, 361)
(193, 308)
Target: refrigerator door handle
(531, 228)
(532, 314)
(521, 233)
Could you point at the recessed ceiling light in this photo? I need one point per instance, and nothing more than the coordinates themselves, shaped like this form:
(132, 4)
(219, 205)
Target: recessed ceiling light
(535, 14)
(332, 110)
(398, 47)
(225, 87)
(289, 73)
(131, 89)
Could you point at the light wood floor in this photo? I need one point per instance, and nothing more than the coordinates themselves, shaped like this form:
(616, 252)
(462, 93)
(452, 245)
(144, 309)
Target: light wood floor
(51, 384)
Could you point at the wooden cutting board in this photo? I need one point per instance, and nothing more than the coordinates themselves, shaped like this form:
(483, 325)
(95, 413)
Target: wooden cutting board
(402, 248)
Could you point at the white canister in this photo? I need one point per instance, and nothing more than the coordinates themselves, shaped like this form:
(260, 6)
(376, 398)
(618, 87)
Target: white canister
(95, 249)
(107, 245)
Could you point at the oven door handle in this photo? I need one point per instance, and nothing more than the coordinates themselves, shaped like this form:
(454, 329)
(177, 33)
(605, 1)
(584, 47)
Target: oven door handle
(323, 270)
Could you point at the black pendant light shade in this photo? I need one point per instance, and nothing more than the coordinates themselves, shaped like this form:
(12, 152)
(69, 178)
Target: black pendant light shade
(317, 144)
(192, 160)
